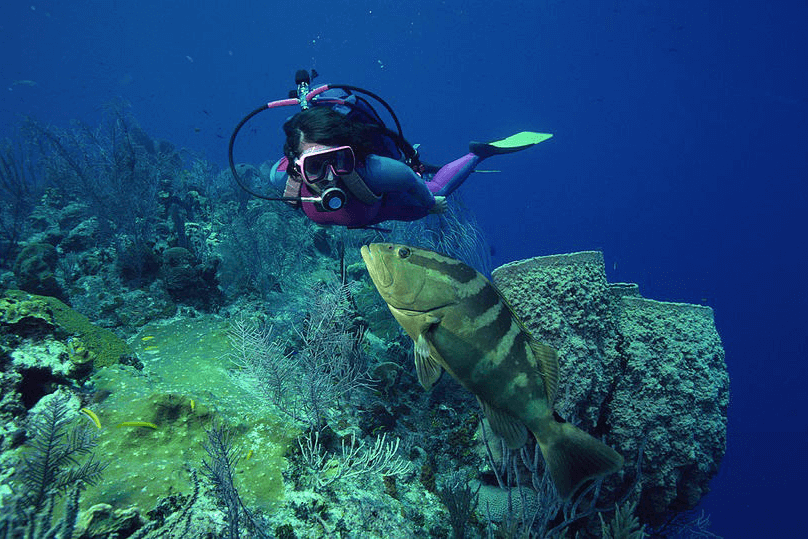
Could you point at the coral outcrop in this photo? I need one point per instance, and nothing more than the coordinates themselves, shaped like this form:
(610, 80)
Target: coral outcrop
(186, 280)
(34, 269)
(46, 344)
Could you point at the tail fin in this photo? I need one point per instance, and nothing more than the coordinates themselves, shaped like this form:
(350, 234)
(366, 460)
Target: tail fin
(573, 457)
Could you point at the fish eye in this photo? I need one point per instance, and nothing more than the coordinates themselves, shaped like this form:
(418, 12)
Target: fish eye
(403, 252)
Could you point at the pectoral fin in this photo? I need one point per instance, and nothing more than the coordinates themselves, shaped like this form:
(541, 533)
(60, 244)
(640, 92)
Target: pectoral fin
(506, 426)
(427, 369)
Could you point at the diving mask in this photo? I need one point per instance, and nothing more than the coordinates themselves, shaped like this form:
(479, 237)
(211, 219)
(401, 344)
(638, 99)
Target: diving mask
(313, 166)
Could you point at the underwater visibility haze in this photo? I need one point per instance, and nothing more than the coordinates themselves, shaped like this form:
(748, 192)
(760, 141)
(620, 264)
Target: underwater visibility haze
(206, 362)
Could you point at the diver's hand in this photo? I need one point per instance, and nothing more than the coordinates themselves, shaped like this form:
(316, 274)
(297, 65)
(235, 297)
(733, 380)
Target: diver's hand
(440, 205)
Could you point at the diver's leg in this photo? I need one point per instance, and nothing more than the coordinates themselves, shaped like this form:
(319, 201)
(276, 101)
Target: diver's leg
(452, 175)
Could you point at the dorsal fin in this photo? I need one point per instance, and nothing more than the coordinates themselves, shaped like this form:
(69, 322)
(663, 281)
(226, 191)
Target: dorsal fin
(546, 356)
(547, 363)
(506, 426)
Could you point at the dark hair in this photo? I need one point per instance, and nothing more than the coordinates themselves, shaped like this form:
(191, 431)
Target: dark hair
(323, 125)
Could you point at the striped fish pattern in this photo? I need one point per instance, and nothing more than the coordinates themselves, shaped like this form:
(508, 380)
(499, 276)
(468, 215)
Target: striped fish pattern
(460, 323)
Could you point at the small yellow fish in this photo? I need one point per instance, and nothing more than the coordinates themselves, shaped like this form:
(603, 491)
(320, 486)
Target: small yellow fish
(137, 424)
(147, 338)
(89, 413)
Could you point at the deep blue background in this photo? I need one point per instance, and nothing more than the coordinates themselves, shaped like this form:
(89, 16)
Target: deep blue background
(680, 148)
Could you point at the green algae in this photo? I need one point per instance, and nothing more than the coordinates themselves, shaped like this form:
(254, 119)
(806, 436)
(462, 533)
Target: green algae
(182, 389)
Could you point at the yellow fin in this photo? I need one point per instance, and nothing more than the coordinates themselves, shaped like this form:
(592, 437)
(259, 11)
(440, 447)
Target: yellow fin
(547, 363)
(427, 369)
(89, 413)
(505, 426)
(524, 138)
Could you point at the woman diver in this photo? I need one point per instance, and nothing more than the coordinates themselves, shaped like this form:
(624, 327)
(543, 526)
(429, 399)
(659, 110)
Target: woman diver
(342, 166)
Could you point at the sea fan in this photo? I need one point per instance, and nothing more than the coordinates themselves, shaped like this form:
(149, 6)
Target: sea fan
(51, 466)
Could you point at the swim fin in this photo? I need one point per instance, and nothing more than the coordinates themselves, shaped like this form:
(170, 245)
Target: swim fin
(514, 143)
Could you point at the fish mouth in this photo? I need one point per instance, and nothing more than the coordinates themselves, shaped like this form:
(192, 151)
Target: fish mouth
(378, 271)
(414, 312)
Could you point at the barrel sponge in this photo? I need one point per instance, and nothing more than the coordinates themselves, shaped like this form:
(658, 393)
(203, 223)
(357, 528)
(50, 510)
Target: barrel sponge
(639, 372)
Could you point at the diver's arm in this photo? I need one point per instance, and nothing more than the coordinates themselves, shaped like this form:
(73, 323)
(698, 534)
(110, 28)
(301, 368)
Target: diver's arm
(386, 175)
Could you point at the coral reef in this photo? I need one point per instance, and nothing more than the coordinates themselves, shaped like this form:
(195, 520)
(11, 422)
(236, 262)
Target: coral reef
(125, 272)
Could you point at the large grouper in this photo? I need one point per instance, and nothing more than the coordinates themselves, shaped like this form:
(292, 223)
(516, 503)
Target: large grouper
(460, 322)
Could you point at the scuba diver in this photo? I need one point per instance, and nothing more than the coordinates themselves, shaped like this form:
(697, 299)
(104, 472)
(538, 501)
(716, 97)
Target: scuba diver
(343, 166)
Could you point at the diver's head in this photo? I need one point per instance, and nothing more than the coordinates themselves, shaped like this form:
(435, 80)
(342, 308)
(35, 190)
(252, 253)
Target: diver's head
(320, 167)
(327, 127)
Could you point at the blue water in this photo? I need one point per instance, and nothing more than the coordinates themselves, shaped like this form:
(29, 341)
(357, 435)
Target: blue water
(680, 148)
